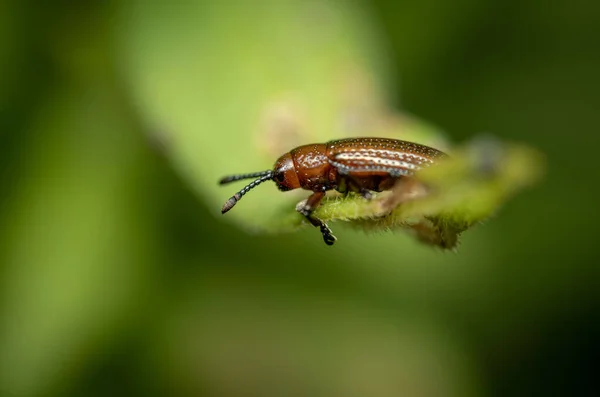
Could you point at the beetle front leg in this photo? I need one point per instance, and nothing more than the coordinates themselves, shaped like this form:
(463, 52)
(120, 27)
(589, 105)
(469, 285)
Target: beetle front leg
(307, 210)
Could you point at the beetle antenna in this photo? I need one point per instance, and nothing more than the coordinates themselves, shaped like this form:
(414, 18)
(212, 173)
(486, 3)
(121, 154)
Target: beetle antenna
(264, 176)
(233, 178)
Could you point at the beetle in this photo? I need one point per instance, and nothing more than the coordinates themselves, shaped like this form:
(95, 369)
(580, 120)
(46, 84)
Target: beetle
(361, 165)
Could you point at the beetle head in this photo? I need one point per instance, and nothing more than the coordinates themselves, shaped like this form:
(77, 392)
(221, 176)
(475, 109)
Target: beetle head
(284, 173)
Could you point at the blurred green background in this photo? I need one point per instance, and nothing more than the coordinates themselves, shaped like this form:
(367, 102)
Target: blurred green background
(119, 276)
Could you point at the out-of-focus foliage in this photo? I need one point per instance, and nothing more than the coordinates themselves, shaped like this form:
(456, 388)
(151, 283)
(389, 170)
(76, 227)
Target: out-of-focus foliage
(119, 276)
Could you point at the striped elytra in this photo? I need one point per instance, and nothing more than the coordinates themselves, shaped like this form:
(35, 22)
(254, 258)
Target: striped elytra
(361, 165)
(359, 156)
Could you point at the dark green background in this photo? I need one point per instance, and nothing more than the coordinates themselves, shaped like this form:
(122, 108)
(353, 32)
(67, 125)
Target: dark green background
(112, 271)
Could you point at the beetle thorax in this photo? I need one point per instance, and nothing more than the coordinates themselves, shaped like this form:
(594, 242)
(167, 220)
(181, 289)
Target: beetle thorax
(312, 166)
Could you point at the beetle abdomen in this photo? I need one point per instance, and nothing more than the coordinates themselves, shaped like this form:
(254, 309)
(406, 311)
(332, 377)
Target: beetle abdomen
(379, 156)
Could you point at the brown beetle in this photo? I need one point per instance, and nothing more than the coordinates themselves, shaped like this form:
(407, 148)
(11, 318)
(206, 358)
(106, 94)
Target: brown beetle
(360, 165)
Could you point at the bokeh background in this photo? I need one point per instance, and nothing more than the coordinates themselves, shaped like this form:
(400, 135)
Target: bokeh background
(119, 276)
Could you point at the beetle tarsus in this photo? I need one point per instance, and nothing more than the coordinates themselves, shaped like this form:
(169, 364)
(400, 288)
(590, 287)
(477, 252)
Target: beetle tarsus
(307, 210)
(328, 237)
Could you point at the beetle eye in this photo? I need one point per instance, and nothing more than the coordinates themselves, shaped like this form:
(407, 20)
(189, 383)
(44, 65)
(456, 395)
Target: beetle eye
(279, 177)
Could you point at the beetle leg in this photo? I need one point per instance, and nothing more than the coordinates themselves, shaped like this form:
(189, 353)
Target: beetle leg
(307, 210)
(365, 193)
